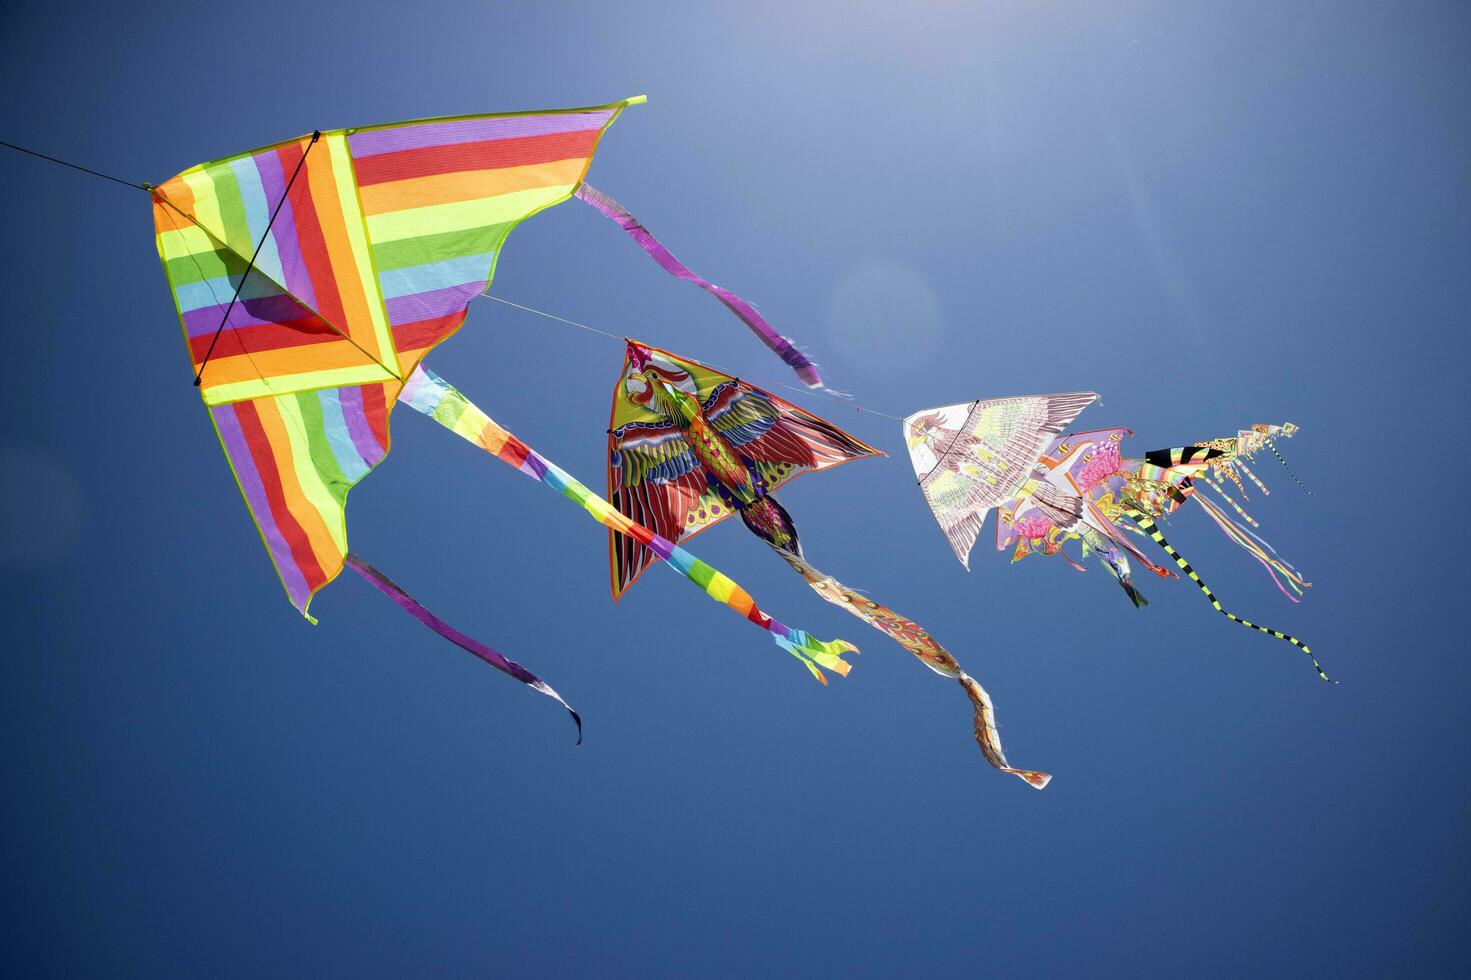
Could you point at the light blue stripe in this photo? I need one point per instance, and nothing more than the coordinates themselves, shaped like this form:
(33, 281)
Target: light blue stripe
(335, 423)
(428, 396)
(458, 271)
(258, 215)
(217, 292)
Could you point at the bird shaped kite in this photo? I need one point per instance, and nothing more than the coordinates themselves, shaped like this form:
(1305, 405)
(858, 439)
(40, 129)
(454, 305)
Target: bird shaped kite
(312, 277)
(689, 446)
(1050, 488)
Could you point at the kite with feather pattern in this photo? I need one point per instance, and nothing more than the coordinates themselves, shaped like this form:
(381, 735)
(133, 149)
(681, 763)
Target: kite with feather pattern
(689, 446)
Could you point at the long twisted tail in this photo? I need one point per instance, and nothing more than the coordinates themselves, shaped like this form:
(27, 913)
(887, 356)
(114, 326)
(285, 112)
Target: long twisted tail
(1149, 527)
(917, 641)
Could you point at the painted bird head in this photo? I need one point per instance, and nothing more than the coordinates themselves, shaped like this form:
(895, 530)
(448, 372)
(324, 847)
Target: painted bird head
(928, 430)
(658, 384)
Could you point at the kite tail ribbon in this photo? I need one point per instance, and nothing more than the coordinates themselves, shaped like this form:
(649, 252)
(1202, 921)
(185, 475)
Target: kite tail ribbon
(426, 392)
(781, 346)
(415, 609)
(1254, 545)
(1228, 498)
(912, 637)
(1283, 461)
(1149, 527)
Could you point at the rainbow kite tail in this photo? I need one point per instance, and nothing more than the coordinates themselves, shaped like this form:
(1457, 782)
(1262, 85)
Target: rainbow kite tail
(430, 394)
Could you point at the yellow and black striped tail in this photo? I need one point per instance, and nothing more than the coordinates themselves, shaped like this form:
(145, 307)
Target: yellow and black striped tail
(1149, 527)
(1288, 468)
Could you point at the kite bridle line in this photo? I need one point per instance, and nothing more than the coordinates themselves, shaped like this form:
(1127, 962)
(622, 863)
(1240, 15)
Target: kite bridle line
(199, 375)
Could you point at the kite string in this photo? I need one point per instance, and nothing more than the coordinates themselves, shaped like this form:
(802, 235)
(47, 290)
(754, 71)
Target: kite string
(76, 166)
(766, 381)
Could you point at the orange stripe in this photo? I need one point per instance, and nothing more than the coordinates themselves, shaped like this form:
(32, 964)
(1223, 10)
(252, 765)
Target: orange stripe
(326, 356)
(307, 516)
(180, 195)
(468, 185)
(348, 283)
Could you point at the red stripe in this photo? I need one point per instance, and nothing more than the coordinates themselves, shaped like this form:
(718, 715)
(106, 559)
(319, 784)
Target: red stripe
(264, 337)
(270, 479)
(426, 161)
(375, 409)
(424, 333)
(311, 241)
(514, 452)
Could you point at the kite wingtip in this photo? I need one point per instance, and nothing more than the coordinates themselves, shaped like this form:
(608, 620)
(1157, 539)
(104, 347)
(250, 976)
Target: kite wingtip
(636, 100)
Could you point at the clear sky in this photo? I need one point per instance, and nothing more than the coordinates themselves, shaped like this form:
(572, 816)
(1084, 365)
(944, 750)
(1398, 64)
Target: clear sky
(1213, 214)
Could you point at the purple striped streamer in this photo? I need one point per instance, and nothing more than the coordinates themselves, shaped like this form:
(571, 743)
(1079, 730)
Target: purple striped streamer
(782, 346)
(412, 606)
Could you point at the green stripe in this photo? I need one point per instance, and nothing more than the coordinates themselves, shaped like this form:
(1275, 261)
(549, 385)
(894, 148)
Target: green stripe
(427, 249)
(323, 458)
(204, 265)
(238, 234)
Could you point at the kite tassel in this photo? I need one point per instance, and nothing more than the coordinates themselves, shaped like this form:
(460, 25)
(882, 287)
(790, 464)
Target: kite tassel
(1135, 596)
(815, 653)
(415, 609)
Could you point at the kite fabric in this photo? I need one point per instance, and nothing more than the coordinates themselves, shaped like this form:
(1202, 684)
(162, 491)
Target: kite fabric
(312, 276)
(781, 346)
(1050, 488)
(971, 458)
(689, 446)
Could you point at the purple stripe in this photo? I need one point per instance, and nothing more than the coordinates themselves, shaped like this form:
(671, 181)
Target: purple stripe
(783, 347)
(413, 136)
(283, 232)
(534, 465)
(357, 425)
(279, 308)
(500, 662)
(432, 304)
(243, 463)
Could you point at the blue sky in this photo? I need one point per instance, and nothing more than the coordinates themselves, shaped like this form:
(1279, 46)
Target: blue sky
(1211, 214)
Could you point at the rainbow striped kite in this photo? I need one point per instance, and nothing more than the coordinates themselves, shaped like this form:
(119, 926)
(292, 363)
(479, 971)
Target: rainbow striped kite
(312, 277)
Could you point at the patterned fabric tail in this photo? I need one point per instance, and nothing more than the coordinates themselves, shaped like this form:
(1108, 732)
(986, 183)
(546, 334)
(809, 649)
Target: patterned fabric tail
(430, 394)
(782, 346)
(1149, 527)
(917, 641)
(412, 606)
(1273, 448)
